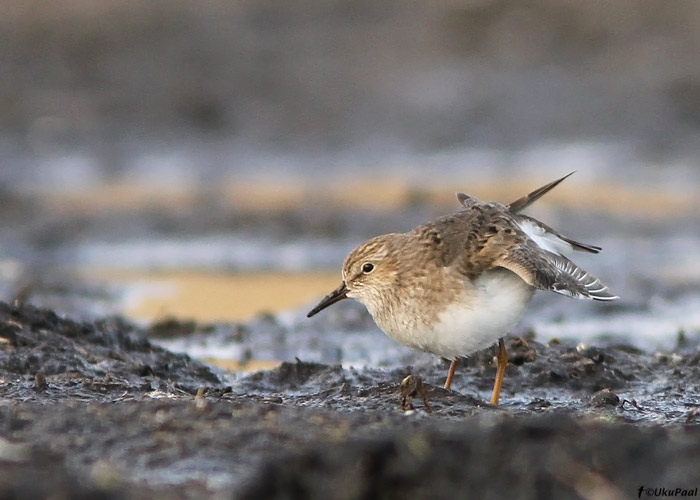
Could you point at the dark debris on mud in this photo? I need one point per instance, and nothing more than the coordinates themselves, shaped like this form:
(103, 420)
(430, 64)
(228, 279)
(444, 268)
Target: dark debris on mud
(94, 410)
(46, 358)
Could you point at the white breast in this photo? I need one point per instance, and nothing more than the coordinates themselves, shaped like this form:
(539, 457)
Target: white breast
(476, 321)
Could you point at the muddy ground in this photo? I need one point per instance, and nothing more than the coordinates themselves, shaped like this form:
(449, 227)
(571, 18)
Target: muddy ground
(96, 410)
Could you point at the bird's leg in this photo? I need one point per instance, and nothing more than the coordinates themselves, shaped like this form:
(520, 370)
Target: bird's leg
(502, 359)
(451, 373)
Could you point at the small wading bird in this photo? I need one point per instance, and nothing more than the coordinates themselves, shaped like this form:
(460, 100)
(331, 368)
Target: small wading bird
(458, 284)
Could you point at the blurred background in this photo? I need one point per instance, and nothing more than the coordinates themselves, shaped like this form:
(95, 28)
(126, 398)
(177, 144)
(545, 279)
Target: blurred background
(217, 160)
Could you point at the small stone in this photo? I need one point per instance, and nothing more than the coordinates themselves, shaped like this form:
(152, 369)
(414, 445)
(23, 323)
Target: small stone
(605, 398)
(40, 383)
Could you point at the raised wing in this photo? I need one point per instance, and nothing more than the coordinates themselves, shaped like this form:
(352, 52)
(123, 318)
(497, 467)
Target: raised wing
(495, 239)
(548, 271)
(549, 239)
(546, 237)
(530, 198)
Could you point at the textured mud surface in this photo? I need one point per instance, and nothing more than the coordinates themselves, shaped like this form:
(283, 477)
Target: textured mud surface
(96, 410)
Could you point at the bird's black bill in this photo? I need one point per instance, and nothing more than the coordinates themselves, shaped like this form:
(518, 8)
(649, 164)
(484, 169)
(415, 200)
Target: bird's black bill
(335, 296)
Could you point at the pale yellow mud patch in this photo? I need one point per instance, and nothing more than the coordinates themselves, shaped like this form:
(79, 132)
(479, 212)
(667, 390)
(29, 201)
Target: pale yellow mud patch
(384, 193)
(253, 365)
(209, 297)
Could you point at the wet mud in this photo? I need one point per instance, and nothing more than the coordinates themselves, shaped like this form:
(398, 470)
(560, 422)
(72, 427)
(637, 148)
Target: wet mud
(97, 410)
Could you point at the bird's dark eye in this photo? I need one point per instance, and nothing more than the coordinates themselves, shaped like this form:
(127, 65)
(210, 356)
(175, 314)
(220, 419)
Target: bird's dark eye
(367, 267)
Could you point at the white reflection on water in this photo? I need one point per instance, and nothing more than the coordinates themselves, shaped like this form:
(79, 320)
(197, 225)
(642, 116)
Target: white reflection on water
(216, 252)
(655, 328)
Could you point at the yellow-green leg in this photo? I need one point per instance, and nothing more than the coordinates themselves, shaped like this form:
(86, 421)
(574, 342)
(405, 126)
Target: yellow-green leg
(502, 359)
(451, 373)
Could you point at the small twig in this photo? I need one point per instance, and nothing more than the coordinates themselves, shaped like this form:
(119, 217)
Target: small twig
(633, 403)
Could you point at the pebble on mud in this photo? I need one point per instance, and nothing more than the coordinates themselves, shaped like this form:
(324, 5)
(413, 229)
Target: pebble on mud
(605, 397)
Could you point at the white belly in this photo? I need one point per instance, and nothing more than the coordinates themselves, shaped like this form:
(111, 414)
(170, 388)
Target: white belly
(483, 315)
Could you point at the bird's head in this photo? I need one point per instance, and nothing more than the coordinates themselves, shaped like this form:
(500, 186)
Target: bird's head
(369, 272)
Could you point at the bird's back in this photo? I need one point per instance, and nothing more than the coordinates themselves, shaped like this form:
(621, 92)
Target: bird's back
(485, 236)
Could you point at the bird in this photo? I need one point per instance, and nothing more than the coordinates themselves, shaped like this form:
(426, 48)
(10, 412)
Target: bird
(458, 284)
